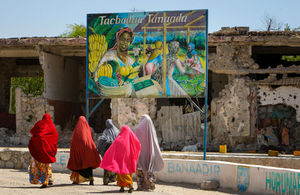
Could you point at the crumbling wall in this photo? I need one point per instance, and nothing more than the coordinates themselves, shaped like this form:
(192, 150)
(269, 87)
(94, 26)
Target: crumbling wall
(62, 85)
(128, 111)
(230, 57)
(29, 110)
(9, 68)
(178, 129)
(61, 77)
(282, 95)
(230, 113)
(216, 82)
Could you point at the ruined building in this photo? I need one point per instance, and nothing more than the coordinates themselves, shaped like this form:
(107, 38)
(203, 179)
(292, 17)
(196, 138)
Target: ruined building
(254, 92)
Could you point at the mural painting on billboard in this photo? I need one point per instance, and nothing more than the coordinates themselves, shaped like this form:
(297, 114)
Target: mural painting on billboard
(147, 54)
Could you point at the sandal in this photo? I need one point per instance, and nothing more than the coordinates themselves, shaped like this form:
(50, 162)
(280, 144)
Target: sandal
(43, 186)
(130, 190)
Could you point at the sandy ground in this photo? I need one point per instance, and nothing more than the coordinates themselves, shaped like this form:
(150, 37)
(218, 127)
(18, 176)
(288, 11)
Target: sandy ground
(15, 182)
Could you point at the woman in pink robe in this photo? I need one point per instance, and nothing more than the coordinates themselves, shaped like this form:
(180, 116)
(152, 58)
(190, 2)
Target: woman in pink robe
(122, 156)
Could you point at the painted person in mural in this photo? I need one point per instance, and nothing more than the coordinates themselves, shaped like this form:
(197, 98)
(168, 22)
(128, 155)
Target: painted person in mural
(150, 159)
(122, 156)
(118, 59)
(43, 148)
(105, 140)
(192, 58)
(174, 64)
(84, 156)
(153, 66)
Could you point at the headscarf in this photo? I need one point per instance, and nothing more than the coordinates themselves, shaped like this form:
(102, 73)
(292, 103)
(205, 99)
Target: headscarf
(43, 143)
(83, 151)
(193, 52)
(119, 33)
(150, 159)
(108, 136)
(122, 156)
(173, 47)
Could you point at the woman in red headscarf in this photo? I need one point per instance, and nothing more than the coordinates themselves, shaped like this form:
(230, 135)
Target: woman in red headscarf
(122, 156)
(84, 156)
(42, 147)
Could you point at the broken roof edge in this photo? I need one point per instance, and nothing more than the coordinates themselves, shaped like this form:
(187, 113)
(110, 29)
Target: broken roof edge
(244, 30)
(237, 34)
(43, 40)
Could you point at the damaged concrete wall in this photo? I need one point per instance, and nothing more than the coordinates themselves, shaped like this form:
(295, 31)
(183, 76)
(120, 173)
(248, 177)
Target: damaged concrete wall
(216, 82)
(10, 68)
(231, 57)
(128, 111)
(62, 86)
(29, 110)
(230, 113)
(61, 78)
(178, 129)
(282, 95)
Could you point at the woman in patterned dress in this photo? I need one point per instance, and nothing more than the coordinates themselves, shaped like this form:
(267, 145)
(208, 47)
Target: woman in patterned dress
(42, 147)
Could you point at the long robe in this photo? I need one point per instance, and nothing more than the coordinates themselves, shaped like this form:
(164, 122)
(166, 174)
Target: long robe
(150, 159)
(43, 148)
(43, 143)
(83, 151)
(123, 154)
(108, 136)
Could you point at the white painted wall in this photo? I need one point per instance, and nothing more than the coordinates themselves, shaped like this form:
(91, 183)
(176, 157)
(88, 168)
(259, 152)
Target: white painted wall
(61, 78)
(240, 177)
(282, 95)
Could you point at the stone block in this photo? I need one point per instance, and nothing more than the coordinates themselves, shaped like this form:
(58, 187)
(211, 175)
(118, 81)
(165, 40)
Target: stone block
(19, 165)
(2, 164)
(15, 140)
(9, 165)
(191, 148)
(24, 140)
(5, 156)
(25, 166)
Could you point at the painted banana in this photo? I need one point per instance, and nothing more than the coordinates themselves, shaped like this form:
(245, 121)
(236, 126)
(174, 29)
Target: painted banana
(105, 70)
(97, 48)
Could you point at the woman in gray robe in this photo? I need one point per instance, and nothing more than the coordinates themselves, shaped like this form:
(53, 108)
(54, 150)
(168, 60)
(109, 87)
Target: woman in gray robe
(150, 159)
(105, 140)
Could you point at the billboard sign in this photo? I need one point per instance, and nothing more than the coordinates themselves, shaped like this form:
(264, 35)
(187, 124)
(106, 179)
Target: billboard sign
(147, 54)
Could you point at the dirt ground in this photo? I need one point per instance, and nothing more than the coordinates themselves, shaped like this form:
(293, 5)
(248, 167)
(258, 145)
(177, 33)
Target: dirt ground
(15, 182)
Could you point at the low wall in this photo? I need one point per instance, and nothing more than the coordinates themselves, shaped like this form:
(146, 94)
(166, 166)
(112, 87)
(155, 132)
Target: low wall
(239, 177)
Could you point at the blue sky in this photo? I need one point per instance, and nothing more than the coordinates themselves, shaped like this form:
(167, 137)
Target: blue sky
(39, 18)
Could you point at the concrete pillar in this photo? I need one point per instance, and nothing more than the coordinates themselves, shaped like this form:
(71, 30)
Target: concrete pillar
(19, 114)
